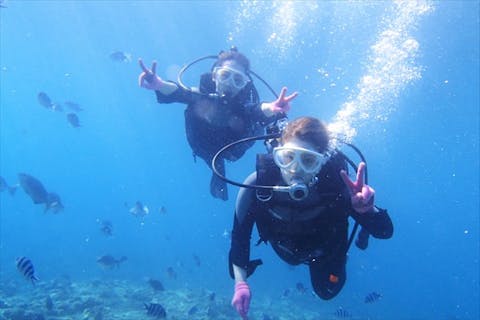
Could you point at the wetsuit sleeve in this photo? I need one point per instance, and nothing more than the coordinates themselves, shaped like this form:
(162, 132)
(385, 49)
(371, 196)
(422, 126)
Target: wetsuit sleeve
(242, 226)
(376, 222)
(180, 95)
(188, 96)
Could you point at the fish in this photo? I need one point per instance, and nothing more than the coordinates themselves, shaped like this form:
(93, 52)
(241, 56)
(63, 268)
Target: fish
(120, 56)
(301, 288)
(54, 203)
(372, 297)
(193, 310)
(73, 119)
(46, 102)
(172, 274)
(73, 106)
(155, 310)
(4, 186)
(34, 188)
(139, 210)
(107, 228)
(162, 210)
(25, 267)
(197, 260)
(108, 261)
(49, 303)
(156, 285)
(342, 313)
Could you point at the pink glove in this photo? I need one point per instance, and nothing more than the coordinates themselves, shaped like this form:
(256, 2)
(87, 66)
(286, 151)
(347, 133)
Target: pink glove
(241, 299)
(282, 104)
(148, 79)
(362, 194)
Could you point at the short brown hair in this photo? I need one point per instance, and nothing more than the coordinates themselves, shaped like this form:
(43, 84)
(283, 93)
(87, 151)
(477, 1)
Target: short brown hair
(308, 129)
(235, 56)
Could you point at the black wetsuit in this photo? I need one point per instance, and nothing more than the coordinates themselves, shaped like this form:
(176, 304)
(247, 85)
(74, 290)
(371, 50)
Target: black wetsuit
(313, 231)
(212, 122)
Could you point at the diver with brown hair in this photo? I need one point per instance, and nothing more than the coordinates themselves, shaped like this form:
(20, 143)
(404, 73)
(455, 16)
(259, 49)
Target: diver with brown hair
(304, 216)
(225, 108)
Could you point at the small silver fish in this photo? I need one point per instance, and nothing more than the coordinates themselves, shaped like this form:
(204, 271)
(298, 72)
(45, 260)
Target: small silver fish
(139, 210)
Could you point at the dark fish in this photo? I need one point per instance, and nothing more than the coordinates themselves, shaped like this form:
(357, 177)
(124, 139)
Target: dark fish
(286, 293)
(49, 303)
(156, 285)
(73, 119)
(193, 310)
(4, 186)
(163, 210)
(372, 297)
(120, 56)
(301, 288)
(197, 260)
(155, 310)
(342, 313)
(34, 188)
(211, 297)
(25, 267)
(108, 261)
(54, 203)
(46, 102)
(107, 228)
(172, 274)
(73, 106)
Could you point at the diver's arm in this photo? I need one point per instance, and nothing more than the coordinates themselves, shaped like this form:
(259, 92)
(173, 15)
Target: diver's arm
(243, 223)
(239, 274)
(376, 221)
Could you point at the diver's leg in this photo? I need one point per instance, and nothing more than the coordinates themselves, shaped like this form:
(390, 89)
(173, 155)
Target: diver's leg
(328, 277)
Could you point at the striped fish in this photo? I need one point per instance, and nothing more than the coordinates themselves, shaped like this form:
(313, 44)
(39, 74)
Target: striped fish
(25, 267)
(372, 297)
(155, 310)
(342, 313)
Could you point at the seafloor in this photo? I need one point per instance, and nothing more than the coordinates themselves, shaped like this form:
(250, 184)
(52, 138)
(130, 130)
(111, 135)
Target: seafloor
(119, 299)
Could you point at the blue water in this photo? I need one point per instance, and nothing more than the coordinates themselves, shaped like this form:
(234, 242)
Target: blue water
(417, 122)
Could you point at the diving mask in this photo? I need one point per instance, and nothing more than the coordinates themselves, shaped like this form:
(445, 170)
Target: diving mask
(292, 158)
(229, 76)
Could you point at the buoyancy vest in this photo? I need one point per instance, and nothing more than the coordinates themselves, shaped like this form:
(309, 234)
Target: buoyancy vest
(320, 222)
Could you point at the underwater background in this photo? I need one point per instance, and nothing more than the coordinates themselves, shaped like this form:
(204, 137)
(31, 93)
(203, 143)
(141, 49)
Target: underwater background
(399, 79)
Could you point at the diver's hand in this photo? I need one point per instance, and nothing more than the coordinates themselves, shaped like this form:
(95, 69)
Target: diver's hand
(241, 299)
(362, 195)
(282, 104)
(148, 79)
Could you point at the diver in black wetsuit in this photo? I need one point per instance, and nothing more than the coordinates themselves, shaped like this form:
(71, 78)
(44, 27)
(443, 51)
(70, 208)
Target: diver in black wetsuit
(310, 225)
(225, 108)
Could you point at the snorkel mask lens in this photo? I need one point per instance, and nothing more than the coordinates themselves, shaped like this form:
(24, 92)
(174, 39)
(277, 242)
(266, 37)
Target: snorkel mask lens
(292, 158)
(226, 75)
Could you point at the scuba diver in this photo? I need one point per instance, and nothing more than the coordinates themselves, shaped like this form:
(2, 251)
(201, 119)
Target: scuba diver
(300, 199)
(225, 108)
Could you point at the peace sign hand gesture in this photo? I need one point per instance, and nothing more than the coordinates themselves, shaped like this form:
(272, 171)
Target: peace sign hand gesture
(282, 104)
(148, 79)
(362, 195)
